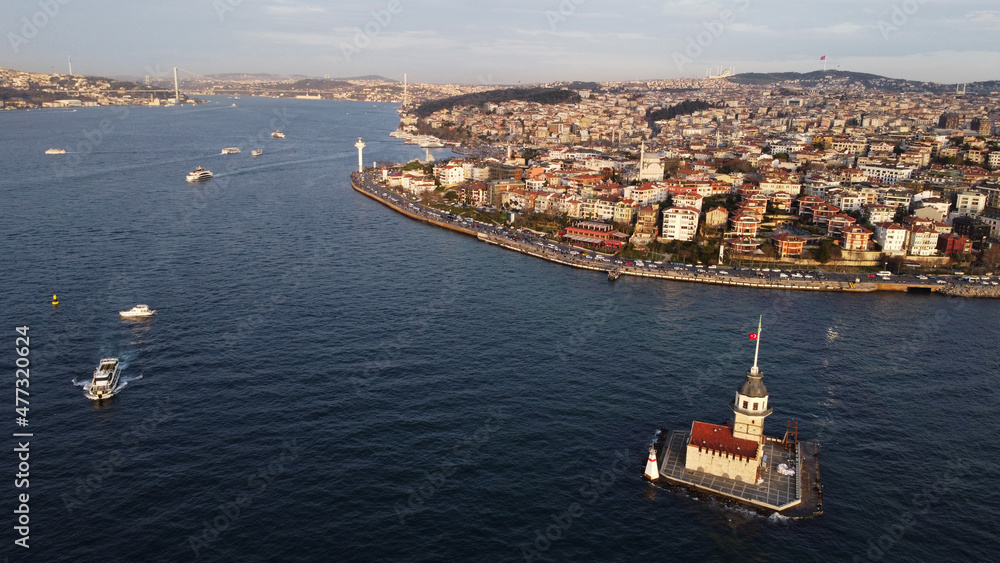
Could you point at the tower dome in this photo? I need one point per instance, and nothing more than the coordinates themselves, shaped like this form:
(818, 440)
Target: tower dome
(753, 386)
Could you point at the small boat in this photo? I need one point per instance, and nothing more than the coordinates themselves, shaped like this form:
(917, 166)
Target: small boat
(137, 312)
(278, 134)
(256, 152)
(231, 150)
(104, 385)
(199, 175)
(56, 151)
(614, 274)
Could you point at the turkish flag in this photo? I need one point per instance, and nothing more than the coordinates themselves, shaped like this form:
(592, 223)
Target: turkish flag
(753, 336)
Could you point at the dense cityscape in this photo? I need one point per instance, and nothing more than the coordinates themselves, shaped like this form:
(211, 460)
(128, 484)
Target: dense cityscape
(829, 171)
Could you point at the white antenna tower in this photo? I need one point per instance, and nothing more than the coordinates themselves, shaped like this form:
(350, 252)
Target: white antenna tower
(70, 59)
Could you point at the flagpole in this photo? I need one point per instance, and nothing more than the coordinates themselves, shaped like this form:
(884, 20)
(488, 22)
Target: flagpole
(756, 353)
(824, 63)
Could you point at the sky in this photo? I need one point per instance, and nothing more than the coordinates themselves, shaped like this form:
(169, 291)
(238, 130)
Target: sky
(506, 42)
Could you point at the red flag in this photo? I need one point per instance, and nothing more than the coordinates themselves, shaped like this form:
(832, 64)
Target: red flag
(753, 336)
(823, 58)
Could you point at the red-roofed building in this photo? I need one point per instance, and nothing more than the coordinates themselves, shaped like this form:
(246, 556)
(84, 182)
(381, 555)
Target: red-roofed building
(954, 244)
(743, 245)
(809, 202)
(746, 225)
(788, 244)
(821, 213)
(720, 439)
(856, 238)
(838, 223)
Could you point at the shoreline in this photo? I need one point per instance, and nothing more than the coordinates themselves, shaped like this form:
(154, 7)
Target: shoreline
(950, 290)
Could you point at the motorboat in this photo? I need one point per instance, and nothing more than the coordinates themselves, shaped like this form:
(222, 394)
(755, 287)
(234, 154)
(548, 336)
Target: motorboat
(231, 150)
(278, 134)
(199, 175)
(56, 151)
(137, 312)
(104, 384)
(256, 152)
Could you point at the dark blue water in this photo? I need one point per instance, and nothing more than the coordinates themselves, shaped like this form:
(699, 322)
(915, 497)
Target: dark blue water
(326, 380)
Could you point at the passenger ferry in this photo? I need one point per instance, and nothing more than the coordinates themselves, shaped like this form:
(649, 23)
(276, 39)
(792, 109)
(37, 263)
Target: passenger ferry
(278, 134)
(231, 150)
(56, 151)
(137, 311)
(104, 385)
(199, 175)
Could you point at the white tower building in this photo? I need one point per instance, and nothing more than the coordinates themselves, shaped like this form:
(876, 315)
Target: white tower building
(361, 146)
(750, 406)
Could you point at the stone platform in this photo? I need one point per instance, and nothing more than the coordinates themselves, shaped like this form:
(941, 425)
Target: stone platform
(794, 496)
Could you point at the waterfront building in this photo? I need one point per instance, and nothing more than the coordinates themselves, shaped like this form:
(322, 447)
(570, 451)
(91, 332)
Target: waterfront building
(788, 244)
(680, 223)
(856, 238)
(922, 241)
(595, 234)
(949, 244)
(646, 225)
(891, 237)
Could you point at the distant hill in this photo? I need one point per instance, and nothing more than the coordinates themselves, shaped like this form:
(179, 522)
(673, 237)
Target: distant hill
(869, 81)
(537, 95)
(316, 84)
(765, 78)
(285, 77)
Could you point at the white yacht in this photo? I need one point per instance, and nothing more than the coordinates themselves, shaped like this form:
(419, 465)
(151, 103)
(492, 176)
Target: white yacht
(278, 134)
(429, 142)
(137, 312)
(56, 151)
(230, 150)
(104, 385)
(199, 175)
(256, 152)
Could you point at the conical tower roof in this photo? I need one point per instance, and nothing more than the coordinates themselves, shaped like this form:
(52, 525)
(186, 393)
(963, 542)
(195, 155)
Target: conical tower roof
(753, 386)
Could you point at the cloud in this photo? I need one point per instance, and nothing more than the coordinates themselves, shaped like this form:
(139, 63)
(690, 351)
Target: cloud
(845, 28)
(692, 8)
(984, 19)
(291, 8)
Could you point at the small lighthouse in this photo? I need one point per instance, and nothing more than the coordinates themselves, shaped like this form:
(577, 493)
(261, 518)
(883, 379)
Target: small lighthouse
(361, 147)
(651, 472)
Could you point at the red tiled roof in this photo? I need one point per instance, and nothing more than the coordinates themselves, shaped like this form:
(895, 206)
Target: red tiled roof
(720, 439)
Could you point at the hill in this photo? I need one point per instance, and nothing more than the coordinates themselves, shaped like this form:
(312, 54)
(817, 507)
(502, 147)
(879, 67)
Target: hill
(537, 95)
(765, 78)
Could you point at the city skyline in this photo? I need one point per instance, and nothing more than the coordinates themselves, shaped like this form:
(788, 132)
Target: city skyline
(443, 41)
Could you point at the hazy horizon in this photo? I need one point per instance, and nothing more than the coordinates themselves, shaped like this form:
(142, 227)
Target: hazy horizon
(444, 41)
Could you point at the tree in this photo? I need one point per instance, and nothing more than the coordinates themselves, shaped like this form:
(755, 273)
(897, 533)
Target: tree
(991, 257)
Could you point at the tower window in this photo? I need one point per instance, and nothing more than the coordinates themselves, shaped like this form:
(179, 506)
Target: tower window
(755, 406)
(744, 404)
